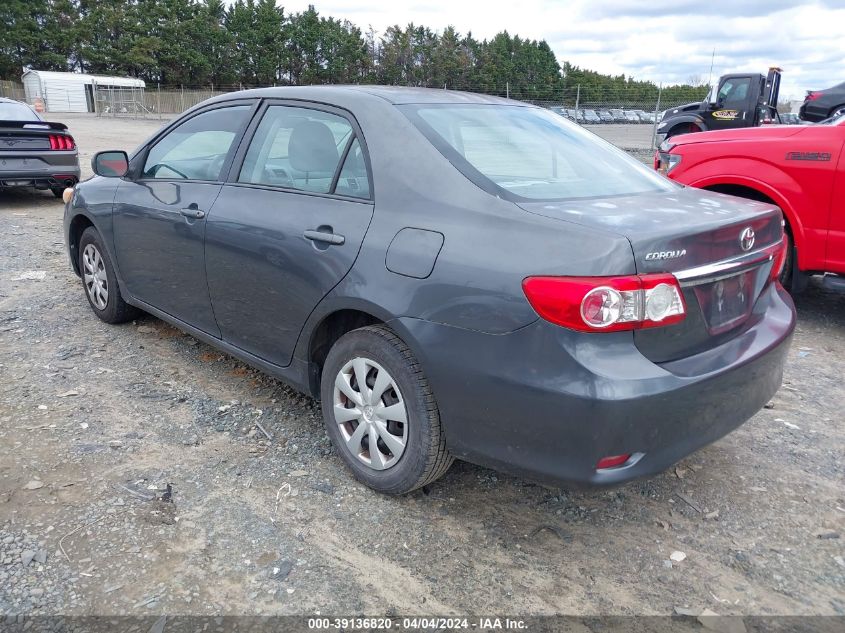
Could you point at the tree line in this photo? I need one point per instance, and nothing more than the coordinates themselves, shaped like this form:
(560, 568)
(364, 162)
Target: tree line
(258, 43)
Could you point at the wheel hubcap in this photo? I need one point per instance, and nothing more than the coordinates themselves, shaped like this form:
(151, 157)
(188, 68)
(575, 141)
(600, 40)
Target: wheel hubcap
(94, 274)
(370, 413)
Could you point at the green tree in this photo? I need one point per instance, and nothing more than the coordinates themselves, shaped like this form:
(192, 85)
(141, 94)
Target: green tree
(269, 54)
(253, 42)
(238, 23)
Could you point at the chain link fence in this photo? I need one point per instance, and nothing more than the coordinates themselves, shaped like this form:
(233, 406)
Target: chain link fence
(634, 115)
(153, 101)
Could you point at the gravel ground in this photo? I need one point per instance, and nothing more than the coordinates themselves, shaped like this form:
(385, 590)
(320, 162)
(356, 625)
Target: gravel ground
(134, 479)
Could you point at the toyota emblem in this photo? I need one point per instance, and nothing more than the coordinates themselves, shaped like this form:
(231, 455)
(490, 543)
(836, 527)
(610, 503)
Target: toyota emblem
(746, 238)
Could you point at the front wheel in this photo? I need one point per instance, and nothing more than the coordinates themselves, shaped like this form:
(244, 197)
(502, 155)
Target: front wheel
(683, 128)
(100, 281)
(380, 412)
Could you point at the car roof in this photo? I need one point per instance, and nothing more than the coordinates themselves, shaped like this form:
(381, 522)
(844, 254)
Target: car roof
(392, 94)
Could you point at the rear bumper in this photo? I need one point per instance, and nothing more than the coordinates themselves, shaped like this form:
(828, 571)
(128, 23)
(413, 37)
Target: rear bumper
(812, 111)
(547, 403)
(42, 171)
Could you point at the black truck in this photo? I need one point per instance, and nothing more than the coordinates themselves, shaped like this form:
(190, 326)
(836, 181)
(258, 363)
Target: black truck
(739, 100)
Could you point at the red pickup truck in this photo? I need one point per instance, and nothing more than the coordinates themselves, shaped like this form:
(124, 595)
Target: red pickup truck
(801, 169)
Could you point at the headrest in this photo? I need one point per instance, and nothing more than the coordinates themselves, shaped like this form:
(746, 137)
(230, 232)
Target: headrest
(312, 148)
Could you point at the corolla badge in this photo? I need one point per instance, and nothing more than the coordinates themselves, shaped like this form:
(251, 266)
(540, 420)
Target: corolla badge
(660, 255)
(746, 238)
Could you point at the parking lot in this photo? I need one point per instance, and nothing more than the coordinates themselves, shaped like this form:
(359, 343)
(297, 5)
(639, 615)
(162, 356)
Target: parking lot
(136, 477)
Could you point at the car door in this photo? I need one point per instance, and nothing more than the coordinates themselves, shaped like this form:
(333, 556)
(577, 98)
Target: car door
(160, 209)
(735, 107)
(287, 225)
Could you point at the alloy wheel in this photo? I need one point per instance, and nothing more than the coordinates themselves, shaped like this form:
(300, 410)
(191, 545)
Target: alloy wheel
(370, 413)
(96, 280)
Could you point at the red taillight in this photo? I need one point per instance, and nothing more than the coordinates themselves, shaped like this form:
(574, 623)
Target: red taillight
(812, 96)
(607, 304)
(779, 258)
(61, 142)
(613, 461)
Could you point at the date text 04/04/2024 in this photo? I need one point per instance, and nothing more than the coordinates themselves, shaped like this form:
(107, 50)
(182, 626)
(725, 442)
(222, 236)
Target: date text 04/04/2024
(417, 623)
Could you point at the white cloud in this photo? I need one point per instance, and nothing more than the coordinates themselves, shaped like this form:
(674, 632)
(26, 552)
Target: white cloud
(662, 40)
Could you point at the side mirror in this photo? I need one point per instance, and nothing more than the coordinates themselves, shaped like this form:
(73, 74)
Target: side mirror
(111, 164)
(713, 97)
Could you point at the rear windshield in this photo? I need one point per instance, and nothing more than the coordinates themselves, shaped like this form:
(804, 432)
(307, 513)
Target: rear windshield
(17, 112)
(530, 154)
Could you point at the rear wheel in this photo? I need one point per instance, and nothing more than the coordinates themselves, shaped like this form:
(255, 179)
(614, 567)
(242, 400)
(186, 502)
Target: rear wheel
(100, 281)
(380, 412)
(57, 191)
(838, 110)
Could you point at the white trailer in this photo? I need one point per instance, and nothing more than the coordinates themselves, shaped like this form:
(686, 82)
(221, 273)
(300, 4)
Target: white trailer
(71, 92)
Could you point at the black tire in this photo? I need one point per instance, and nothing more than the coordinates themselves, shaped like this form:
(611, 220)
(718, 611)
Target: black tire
(425, 457)
(683, 128)
(58, 192)
(116, 310)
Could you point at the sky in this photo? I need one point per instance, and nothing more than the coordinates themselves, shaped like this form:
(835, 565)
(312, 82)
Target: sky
(669, 41)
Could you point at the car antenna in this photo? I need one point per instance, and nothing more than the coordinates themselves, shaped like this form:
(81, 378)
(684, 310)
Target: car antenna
(712, 58)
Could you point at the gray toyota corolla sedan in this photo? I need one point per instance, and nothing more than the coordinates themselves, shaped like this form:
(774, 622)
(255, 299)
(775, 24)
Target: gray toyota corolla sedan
(452, 275)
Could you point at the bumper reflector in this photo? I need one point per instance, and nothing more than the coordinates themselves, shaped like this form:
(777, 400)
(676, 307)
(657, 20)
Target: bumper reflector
(612, 461)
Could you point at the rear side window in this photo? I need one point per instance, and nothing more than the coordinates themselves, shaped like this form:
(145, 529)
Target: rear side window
(301, 148)
(17, 112)
(196, 149)
(353, 180)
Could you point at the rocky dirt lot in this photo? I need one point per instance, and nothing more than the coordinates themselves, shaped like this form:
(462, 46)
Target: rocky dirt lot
(135, 479)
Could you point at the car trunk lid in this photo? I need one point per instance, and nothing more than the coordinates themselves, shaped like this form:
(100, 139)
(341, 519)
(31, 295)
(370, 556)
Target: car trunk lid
(27, 135)
(718, 246)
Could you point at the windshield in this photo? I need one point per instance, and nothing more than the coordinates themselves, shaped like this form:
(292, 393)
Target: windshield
(527, 153)
(17, 112)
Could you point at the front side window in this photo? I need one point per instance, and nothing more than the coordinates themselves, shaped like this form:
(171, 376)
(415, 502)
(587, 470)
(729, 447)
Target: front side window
(528, 153)
(297, 148)
(197, 149)
(734, 92)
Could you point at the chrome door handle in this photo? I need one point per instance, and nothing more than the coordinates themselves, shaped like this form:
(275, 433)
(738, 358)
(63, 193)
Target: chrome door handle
(194, 214)
(321, 236)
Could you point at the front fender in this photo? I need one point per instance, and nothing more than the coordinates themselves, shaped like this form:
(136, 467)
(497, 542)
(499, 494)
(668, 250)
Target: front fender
(93, 200)
(684, 119)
